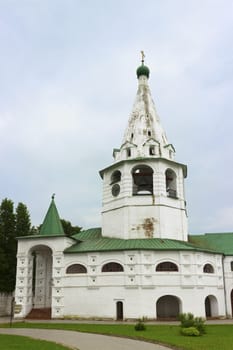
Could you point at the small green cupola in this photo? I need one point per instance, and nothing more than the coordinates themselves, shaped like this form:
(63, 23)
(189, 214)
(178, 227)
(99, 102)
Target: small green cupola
(143, 70)
(52, 224)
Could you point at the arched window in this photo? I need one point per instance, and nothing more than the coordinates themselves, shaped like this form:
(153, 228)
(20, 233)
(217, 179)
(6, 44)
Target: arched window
(142, 180)
(167, 266)
(208, 268)
(171, 183)
(112, 267)
(76, 268)
(115, 177)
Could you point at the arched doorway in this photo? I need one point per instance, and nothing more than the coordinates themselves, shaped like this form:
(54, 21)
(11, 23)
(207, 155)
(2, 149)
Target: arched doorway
(119, 311)
(207, 307)
(211, 306)
(168, 306)
(232, 303)
(41, 282)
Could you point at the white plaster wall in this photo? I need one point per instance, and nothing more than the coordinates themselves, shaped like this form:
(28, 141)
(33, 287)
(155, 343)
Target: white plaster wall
(139, 287)
(23, 291)
(228, 283)
(126, 215)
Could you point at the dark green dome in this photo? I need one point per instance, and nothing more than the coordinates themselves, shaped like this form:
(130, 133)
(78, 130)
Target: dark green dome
(143, 70)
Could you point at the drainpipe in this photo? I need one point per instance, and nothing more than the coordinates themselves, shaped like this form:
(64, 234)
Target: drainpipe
(224, 285)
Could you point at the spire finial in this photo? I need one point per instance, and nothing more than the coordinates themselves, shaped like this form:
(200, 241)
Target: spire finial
(143, 56)
(143, 70)
(53, 195)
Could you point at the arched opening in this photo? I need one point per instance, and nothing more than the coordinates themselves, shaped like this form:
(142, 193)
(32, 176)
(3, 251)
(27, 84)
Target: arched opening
(41, 281)
(115, 177)
(168, 306)
(171, 183)
(232, 303)
(208, 268)
(142, 180)
(211, 306)
(112, 267)
(76, 268)
(119, 311)
(167, 266)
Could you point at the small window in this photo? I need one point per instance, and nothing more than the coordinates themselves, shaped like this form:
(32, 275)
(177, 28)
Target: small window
(115, 177)
(132, 136)
(167, 266)
(149, 133)
(128, 151)
(152, 150)
(208, 268)
(76, 268)
(112, 267)
(231, 265)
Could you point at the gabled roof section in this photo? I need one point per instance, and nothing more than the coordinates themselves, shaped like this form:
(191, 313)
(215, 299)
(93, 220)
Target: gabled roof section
(128, 144)
(92, 241)
(220, 242)
(151, 141)
(170, 146)
(52, 224)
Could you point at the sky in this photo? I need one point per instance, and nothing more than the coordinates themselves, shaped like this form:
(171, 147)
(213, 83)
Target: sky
(67, 87)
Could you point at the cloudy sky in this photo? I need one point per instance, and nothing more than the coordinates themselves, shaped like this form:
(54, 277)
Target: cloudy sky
(68, 83)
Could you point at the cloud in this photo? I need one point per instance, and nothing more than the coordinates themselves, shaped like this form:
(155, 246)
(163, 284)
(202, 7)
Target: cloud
(68, 84)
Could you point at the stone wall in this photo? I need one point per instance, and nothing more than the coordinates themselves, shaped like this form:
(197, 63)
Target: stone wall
(5, 304)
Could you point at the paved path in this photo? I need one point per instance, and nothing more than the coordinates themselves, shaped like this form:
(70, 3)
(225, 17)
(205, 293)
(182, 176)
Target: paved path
(84, 341)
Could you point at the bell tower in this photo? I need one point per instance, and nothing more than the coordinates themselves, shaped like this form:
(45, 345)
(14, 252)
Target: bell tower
(143, 190)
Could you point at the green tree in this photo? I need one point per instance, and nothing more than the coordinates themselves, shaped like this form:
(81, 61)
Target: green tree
(8, 246)
(12, 225)
(23, 222)
(69, 229)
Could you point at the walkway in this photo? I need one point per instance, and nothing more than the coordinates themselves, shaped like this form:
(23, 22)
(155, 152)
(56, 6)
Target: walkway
(84, 341)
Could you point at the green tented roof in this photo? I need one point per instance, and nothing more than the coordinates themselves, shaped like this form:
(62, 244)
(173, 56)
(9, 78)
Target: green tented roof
(220, 242)
(52, 225)
(92, 241)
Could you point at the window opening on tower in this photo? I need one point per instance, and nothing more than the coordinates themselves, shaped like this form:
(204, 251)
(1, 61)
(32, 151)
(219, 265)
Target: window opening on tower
(171, 183)
(152, 150)
(115, 177)
(142, 180)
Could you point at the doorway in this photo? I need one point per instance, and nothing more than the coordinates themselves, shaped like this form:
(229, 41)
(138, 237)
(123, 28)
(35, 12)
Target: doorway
(168, 306)
(119, 311)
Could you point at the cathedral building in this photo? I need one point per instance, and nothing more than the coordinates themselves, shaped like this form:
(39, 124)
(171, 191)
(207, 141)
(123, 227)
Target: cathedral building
(142, 262)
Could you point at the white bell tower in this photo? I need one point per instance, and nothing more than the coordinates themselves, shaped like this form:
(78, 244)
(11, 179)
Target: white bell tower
(143, 190)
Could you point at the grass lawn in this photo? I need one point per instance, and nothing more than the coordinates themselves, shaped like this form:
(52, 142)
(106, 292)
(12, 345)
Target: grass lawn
(218, 337)
(13, 342)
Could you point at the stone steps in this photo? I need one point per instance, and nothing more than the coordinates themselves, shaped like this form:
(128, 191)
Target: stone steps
(39, 314)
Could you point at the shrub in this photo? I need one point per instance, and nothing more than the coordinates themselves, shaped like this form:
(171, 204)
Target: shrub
(139, 326)
(188, 320)
(190, 331)
(199, 323)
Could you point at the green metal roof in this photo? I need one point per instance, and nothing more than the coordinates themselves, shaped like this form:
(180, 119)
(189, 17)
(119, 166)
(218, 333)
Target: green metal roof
(52, 225)
(92, 241)
(220, 242)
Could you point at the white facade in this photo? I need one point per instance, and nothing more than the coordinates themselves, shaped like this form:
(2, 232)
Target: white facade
(141, 263)
(144, 215)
